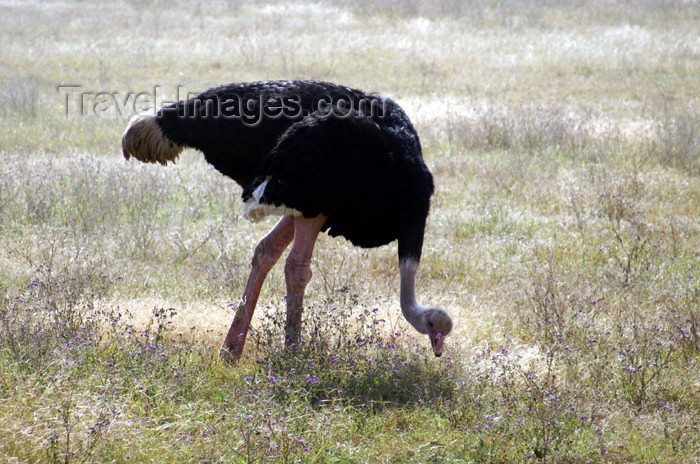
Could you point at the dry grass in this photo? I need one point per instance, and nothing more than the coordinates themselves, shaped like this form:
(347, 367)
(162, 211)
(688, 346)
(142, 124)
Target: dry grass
(565, 144)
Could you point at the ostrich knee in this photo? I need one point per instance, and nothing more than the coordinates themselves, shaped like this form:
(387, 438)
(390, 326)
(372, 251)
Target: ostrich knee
(266, 254)
(297, 273)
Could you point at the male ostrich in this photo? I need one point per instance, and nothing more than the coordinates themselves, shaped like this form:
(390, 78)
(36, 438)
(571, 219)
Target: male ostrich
(326, 158)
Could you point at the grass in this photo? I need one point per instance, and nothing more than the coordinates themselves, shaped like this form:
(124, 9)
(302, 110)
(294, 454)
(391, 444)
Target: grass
(563, 237)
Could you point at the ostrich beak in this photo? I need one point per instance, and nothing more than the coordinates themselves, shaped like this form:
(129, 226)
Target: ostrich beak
(436, 340)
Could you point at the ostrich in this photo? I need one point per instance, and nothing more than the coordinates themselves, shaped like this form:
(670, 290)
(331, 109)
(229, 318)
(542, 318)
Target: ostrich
(324, 157)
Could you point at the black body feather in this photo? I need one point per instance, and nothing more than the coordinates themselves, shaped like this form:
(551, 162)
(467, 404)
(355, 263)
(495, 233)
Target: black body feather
(322, 148)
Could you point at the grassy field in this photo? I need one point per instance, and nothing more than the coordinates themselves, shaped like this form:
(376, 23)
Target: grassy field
(564, 237)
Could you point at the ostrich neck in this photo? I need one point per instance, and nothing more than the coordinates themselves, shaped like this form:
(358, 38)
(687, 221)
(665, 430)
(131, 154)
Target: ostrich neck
(412, 311)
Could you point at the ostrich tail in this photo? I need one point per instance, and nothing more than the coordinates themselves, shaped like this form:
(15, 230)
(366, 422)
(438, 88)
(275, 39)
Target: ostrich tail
(144, 140)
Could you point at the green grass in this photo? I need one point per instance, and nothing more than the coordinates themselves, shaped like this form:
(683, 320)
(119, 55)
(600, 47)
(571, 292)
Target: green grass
(563, 237)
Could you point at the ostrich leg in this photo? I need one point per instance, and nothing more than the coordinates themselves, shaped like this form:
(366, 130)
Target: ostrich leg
(267, 253)
(297, 272)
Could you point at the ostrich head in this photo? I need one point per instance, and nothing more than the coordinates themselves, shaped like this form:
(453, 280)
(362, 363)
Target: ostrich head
(144, 140)
(431, 320)
(438, 324)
